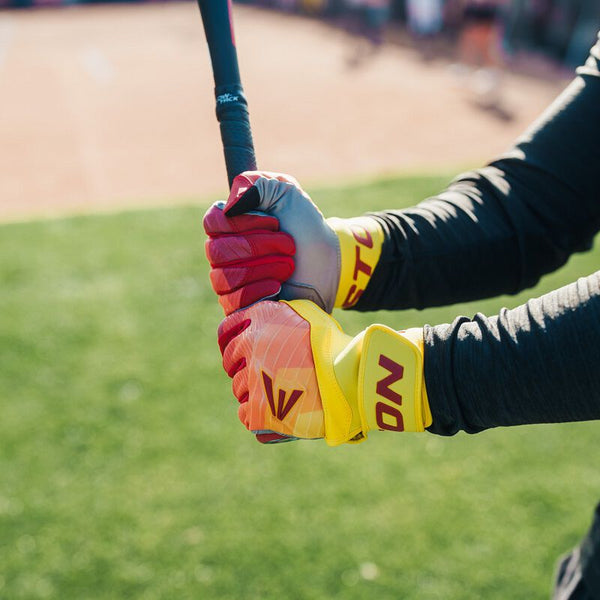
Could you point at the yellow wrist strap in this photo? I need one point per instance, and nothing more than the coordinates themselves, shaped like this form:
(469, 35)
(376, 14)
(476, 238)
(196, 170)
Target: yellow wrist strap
(342, 420)
(372, 381)
(361, 239)
(380, 373)
(391, 385)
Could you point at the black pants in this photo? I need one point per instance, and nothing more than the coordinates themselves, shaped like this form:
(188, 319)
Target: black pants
(578, 576)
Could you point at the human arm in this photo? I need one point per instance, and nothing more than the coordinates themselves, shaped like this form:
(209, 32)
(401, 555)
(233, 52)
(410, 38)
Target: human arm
(537, 363)
(497, 230)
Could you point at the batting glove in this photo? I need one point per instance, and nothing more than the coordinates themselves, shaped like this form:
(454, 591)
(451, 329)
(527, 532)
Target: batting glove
(296, 254)
(297, 375)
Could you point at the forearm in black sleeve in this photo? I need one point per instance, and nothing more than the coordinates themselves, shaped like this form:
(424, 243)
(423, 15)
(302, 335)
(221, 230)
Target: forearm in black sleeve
(538, 363)
(498, 229)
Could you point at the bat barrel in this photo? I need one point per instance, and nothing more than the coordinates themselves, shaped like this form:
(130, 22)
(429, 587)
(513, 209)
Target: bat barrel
(218, 27)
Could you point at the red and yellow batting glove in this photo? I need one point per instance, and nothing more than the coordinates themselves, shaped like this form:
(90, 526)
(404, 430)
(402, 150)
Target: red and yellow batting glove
(297, 375)
(249, 256)
(270, 239)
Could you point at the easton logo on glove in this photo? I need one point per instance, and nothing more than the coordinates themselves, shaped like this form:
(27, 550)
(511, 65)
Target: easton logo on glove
(283, 408)
(361, 239)
(383, 389)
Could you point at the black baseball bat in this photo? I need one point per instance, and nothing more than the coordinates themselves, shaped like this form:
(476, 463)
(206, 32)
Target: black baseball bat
(232, 107)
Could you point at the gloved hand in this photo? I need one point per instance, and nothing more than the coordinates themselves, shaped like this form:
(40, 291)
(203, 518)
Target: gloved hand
(297, 375)
(333, 259)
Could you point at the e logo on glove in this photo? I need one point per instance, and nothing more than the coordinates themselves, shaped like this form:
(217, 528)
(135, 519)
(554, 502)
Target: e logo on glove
(283, 407)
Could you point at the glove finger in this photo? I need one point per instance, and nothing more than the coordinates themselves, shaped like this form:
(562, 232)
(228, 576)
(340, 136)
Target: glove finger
(242, 183)
(247, 178)
(244, 197)
(239, 385)
(229, 279)
(230, 327)
(227, 249)
(234, 359)
(216, 222)
(249, 416)
(281, 177)
(241, 187)
(236, 323)
(270, 437)
(249, 294)
(249, 200)
(246, 414)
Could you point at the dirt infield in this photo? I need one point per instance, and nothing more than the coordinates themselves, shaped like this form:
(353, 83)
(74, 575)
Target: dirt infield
(111, 106)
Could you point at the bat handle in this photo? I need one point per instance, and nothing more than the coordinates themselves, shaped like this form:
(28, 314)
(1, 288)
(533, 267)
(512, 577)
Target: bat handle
(236, 135)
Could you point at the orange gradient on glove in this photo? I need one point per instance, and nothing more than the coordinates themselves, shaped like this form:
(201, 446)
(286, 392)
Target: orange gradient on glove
(267, 351)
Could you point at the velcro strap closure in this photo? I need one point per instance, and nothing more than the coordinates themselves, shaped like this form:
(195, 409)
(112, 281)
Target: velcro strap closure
(328, 341)
(390, 381)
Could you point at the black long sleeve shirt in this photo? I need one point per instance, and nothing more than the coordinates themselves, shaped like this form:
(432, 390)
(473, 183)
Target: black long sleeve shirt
(497, 230)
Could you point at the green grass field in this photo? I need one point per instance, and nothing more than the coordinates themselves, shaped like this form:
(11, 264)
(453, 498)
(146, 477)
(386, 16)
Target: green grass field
(124, 472)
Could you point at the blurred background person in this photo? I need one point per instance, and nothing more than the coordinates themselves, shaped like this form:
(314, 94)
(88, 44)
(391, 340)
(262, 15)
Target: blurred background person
(479, 41)
(288, 5)
(376, 14)
(584, 31)
(424, 17)
(480, 50)
(311, 6)
(559, 30)
(369, 22)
